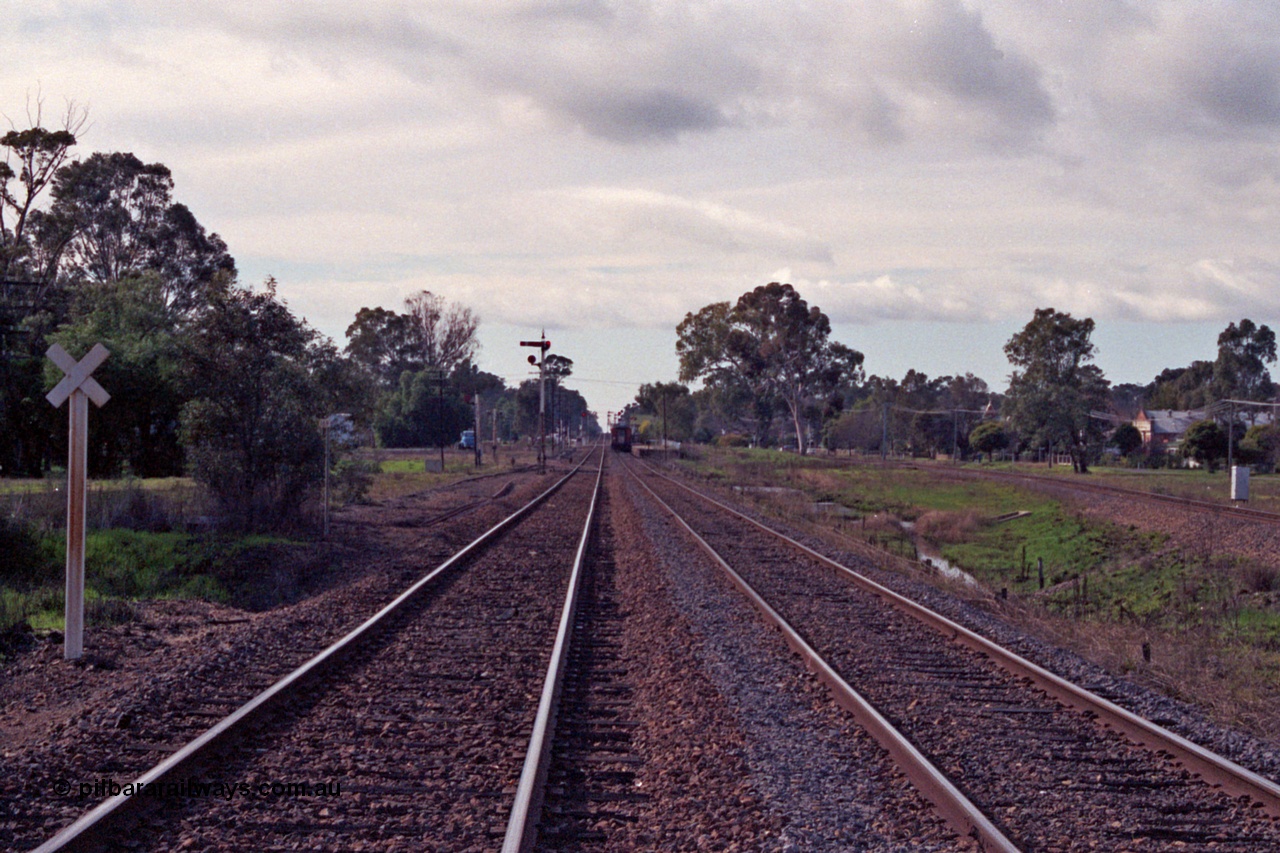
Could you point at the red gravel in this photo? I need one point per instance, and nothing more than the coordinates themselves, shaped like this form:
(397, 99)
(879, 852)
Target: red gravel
(145, 686)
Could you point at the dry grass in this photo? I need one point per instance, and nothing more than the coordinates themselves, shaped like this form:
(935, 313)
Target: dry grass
(819, 481)
(1239, 685)
(881, 522)
(1258, 577)
(950, 527)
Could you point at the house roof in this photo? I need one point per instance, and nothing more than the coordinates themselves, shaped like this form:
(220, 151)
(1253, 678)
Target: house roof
(1170, 421)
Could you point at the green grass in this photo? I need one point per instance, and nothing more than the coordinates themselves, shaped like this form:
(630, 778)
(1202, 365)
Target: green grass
(127, 565)
(1259, 627)
(1124, 579)
(1066, 546)
(58, 477)
(133, 564)
(20, 487)
(1000, 554)
(403, 466)
(1264, 489)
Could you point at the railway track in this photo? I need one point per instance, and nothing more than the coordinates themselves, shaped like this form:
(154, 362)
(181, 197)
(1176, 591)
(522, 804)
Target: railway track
(580, 770)
(1037, 764)
(408, 732)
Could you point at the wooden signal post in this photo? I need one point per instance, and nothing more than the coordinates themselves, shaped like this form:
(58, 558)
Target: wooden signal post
(79, 387)
(539, 361)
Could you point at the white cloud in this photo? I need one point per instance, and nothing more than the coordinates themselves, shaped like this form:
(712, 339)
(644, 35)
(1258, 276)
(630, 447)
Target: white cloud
(591, 162)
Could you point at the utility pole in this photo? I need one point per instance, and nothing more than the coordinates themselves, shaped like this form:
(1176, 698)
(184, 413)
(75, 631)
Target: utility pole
(1231, 439)
(437, 377)
(664, 418)
(476, 442)
(884, 432)
(326, 424)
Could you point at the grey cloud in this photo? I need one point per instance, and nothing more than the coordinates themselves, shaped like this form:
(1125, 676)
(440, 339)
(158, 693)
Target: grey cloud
(1191, 68)
(1243, 90)
(648, 72)
(656, 114)
(595, 11)
(957, 53)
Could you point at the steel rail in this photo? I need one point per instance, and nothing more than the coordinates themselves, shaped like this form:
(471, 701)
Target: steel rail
(957, 809)
(1213, 768)
(83, 829)
(522, 824)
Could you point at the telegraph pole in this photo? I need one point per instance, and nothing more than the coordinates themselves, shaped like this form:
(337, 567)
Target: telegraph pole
(436, 376)
(326, 424)
(477, 435)
(664, 418)
(884, 433)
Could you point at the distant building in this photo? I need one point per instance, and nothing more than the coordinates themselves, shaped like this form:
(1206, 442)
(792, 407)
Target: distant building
(1163, 427)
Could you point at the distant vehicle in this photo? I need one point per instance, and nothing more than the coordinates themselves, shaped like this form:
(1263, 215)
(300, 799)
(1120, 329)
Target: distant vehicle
(622, 438)
(468, 440)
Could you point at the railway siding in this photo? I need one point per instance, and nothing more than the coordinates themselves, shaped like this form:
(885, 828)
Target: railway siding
(957, 706)
(823, 778)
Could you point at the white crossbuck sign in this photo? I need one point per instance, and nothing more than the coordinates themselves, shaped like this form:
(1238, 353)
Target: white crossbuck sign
(78, 378)
(79, 387)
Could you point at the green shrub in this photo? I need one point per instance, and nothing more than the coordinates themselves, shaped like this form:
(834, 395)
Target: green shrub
(352, 479)
(27, 561)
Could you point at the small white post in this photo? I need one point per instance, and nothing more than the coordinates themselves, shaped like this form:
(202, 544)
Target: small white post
(79, 387)
(326, 426)
(77, 462)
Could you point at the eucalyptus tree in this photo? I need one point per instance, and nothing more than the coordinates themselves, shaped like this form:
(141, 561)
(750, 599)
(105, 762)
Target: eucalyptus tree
(382, 342)
(1053, 390)
(671, 406)
(38, 153)
(442, 332)
(114, 216)
(1240, 371)
(254, 375)
(772, 344)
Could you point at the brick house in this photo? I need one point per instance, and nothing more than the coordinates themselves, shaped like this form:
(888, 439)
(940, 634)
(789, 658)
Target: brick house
(1163, 427)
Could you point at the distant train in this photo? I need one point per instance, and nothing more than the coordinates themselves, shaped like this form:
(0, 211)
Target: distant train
(621, 438)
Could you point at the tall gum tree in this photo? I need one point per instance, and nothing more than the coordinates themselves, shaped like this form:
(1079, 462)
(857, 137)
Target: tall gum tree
(444, 333)
(1240, 371)
(113, 216)
(37, 153)
(772, 342)
(1053, 389)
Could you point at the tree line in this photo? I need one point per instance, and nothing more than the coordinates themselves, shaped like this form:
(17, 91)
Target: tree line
(208, 377)
(770, 375)
(420, 366)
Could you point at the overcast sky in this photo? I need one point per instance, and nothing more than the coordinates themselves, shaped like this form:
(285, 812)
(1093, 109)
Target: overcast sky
(928, 173)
